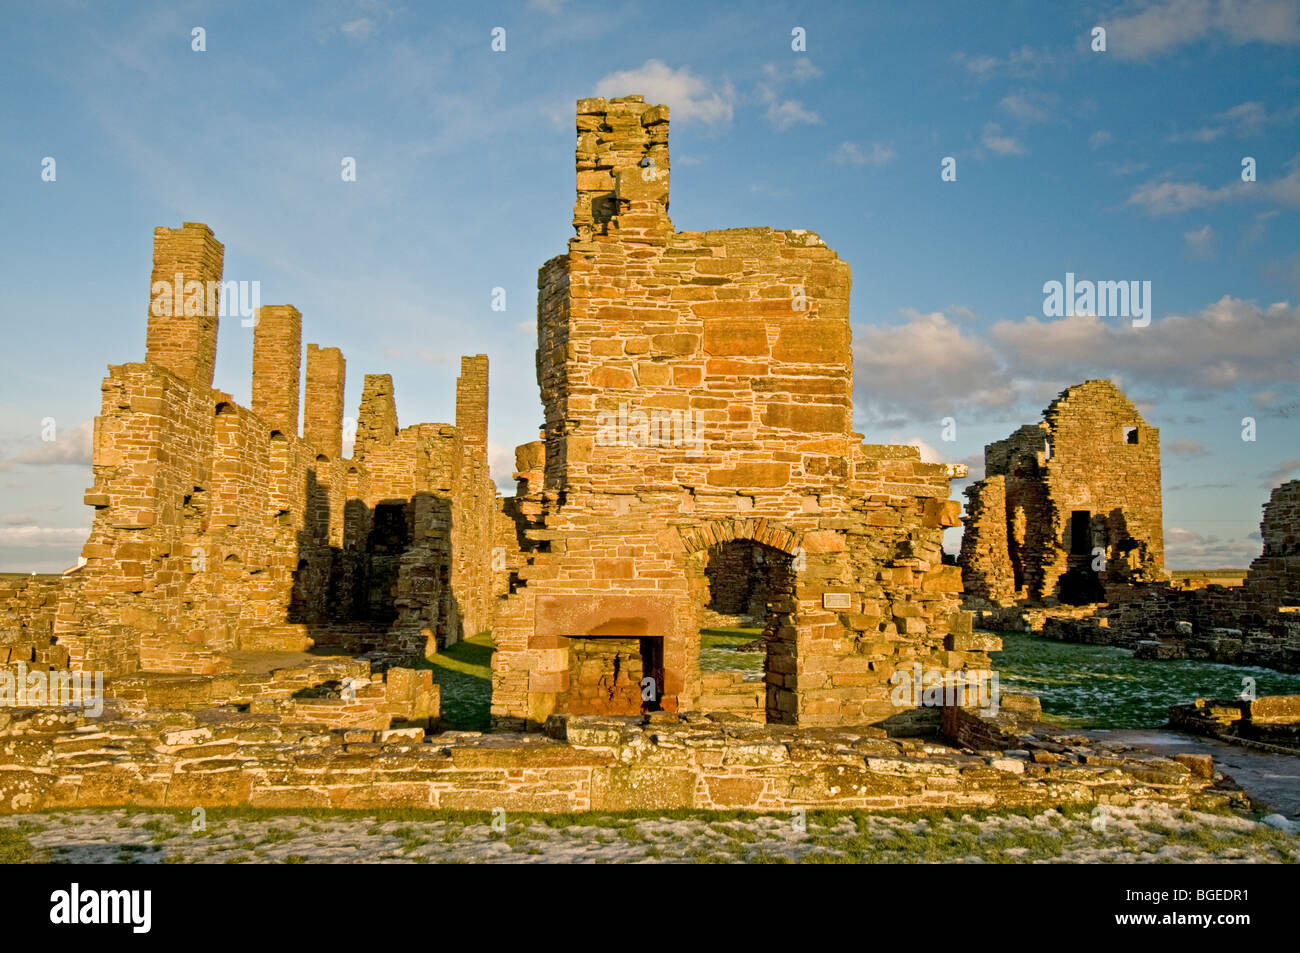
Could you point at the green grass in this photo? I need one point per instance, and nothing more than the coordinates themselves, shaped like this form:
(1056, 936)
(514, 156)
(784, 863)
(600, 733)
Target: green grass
(463, 673)
(1103, 686)
(718, 651)
(15, 848)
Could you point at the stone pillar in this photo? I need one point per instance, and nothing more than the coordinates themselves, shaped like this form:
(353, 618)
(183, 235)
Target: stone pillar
(472, 403)
(322, 420)
(184, 301)
(277, 365)
(622, 169)
(377, 418)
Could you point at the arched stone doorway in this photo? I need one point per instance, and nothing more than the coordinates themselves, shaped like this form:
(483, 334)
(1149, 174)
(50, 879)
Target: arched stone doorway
(742, 578)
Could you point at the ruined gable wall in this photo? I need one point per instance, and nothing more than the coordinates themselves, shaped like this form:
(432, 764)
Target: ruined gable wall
(446, 586)
(1092, 467)
(1077, 458)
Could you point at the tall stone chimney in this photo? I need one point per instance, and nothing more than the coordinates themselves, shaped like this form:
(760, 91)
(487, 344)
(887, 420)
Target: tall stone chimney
(322, 418)
(472, 402)
(277, 366)
(622, 169)
(184, 301)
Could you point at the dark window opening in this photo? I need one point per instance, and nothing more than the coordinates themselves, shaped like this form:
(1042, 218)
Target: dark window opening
(1080, 533)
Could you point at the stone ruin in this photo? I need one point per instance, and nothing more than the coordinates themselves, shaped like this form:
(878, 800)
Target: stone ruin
(698, 453)
(1067, 506)
(1255, 623)
(260, 604)
(220, 528)
(1064, 536)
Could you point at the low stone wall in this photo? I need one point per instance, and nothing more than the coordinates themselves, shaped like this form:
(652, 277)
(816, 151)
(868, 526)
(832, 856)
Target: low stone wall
(731, 693)
(1272, 721)
(59, 759)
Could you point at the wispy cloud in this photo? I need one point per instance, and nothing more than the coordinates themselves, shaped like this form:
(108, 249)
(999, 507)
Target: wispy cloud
(1157, 28)
(690, 98)
(1200, 241)
(784, 112)
(1168, 197)
(993, 140)
(850, 153)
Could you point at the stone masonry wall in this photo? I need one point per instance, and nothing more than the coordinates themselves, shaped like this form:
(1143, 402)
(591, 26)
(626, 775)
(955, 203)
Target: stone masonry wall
(697, 389)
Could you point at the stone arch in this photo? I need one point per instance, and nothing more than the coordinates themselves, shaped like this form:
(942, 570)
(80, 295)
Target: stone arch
(709, 533)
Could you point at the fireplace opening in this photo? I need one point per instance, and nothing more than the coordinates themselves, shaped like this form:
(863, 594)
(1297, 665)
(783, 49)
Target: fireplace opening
(613, 675)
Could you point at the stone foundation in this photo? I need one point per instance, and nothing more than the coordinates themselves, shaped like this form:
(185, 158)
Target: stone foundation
(190, 759)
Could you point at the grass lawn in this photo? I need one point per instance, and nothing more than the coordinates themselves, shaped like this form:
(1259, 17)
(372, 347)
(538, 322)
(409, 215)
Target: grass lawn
(718, 651)
(464, 674)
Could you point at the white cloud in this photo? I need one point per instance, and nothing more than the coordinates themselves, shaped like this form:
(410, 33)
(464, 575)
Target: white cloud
(994, 141)
(1022, 62)
(689, 97)
(1186, 549)
(1167, 198)
(785, 113)
(850, 153)
(1245, 119)
(1227, 343)
(1099, 138)
(1186, 447)
(501, 463)
(70, 447)
(790, 112)
(30, 536)
(1028, 107)
(1284, 471)
(925, 368)
(1156, 28)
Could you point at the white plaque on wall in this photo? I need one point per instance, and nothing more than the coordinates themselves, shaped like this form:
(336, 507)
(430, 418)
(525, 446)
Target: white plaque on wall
(836, 600)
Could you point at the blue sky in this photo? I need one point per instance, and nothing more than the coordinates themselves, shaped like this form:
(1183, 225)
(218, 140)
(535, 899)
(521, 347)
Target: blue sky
(1123, 164)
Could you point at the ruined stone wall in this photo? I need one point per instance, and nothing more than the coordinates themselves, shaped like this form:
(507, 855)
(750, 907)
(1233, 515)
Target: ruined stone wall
(985, 557)
(602, 765)
(1255, 623)
(204, 524)
(1092, 454)
(444, 585)
(697, 389)
(218, 528)
(1274, 576)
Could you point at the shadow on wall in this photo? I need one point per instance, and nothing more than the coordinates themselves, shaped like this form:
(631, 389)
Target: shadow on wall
(387, 588)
